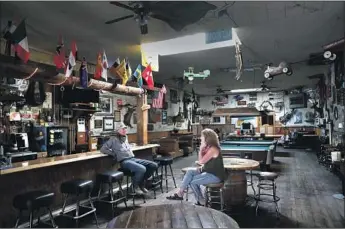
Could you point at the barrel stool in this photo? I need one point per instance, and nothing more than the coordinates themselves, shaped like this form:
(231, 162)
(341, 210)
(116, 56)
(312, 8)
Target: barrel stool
(166, 161)
(184, 171)
(110, 177)
(32, 202)
(78, 187)
(267, 182)
(209, 195)
(130, 190)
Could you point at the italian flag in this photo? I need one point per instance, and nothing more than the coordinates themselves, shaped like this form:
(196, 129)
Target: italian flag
(20, 42)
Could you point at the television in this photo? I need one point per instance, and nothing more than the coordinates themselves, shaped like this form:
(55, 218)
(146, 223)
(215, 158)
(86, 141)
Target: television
(246, 126)
(298, 101)
(75, 95)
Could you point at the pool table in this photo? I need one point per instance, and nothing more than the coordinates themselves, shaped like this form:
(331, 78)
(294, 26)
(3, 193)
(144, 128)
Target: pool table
(255, 142)
(255, 152)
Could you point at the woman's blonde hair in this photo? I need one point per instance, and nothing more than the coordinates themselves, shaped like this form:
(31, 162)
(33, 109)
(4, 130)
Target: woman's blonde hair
(211, 137)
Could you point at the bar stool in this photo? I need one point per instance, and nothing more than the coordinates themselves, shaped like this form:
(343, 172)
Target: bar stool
(267, 182)
(156, 180)
(34, 201)
(166, 161)
(250, 182)
(184, 171)
(209, 195)
(77, 187)
(110, 177)
(128, 174)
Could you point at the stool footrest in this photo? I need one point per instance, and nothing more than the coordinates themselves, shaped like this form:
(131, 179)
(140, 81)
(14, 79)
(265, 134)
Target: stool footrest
(257, 198)
(106, 199)
(84, 210)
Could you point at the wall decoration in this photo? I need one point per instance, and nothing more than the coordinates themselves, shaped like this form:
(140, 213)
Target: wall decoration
(298, 118)
(173, 96)
(117, 116)
(164, 117)
(108, 123)
(179, 124)
(169, 120)
(227, 119)
(241, 103)
(238, 121)
(106, 105)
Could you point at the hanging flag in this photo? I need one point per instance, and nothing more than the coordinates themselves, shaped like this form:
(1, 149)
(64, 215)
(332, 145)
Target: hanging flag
(137, 75)
(157, 101)
(113, 67)
(7, 35)
(74, 50)
(20, 42)
(105, 67)
(99, 68)
(83, 74)
(150, 58)
(71, 60)
(59, 58)
(128, 68)
(121, 72)
(147, 76)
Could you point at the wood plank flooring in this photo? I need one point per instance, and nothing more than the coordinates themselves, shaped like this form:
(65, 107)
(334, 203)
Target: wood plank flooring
(304, 186)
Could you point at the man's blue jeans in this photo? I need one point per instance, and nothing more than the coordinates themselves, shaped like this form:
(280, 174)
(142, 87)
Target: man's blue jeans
(195, 179)
(142, 169)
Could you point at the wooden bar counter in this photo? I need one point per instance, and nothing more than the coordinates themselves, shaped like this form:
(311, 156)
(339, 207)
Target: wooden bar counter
(49, 173)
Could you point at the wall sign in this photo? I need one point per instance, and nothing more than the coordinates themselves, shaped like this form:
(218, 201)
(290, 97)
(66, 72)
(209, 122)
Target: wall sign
(241, 103)
(164, 117)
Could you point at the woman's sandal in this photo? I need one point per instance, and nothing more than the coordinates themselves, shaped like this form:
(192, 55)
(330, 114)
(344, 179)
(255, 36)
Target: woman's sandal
(174, 197)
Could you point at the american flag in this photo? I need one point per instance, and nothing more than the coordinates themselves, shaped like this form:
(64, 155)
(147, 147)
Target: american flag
(157, 102)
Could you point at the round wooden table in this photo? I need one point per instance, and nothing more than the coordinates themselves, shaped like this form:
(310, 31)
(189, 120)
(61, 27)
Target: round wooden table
(182, 215)
(235, 186)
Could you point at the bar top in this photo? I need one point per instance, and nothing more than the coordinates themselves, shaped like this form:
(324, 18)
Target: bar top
(58, 160)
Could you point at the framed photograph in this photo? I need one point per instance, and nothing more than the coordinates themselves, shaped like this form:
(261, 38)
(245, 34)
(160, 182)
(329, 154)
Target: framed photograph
(106, 105)
(108, 123)
(117, 116)
(164, 117)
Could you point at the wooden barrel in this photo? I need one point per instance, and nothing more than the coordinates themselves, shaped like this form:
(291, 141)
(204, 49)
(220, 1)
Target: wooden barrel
(235, 188)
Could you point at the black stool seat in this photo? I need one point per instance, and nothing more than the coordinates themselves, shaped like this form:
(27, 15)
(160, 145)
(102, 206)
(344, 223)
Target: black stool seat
(77, 186)
(110, 176)
(33, 200)
(165, 160)
(268, 175)
(126, 172)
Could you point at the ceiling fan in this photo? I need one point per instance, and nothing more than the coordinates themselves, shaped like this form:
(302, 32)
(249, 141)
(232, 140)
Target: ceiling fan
(176, 14)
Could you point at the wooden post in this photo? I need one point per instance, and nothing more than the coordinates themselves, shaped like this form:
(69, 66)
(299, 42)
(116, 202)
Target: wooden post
(142, 119)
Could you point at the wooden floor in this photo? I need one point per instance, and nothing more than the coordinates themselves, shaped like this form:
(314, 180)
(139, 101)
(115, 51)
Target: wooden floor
(304, 186)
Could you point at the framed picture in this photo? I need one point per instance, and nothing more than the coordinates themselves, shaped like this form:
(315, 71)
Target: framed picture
(117, 116)
(106, 105)
(108, 123)
(164, 117)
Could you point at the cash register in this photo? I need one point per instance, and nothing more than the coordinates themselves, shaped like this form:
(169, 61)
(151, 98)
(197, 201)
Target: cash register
(18, 148)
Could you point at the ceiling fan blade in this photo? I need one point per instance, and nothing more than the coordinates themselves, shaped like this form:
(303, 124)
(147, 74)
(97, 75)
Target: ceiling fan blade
(176, 26)
(119, 19)
(119, 4)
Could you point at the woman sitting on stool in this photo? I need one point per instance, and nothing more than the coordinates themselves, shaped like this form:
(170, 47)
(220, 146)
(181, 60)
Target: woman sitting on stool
(211, 170)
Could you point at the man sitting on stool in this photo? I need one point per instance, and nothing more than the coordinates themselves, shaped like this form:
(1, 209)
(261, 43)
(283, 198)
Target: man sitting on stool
(120, 149)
